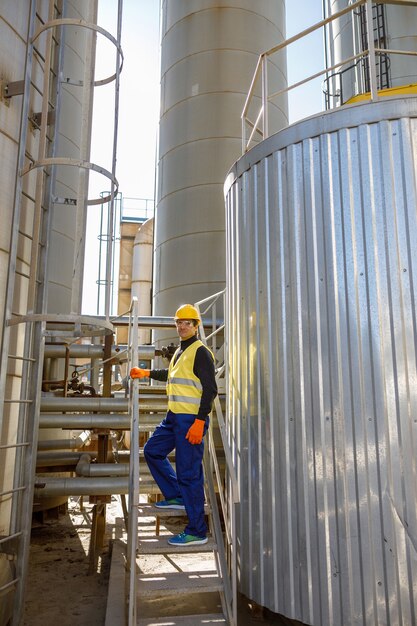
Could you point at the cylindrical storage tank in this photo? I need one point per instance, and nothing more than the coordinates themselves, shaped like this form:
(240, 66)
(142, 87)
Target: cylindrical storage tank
(321, 321)
(402, 35)
(394, 27)
(71, 125)
(342, 85)
(209, 53)
(142, 274)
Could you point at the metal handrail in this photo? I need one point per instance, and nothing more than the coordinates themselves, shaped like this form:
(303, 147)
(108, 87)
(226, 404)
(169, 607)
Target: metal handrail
(132, 537)
(228, 567)
(261, 68)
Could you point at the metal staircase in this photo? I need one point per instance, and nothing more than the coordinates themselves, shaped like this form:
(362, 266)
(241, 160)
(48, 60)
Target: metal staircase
(220, 487)
(198, 580)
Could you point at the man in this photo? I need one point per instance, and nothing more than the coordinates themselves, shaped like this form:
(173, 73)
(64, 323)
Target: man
(191, 389)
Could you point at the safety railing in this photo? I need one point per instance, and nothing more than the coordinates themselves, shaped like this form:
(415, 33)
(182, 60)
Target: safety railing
(258, 123)
(133, 504)
(227, 485)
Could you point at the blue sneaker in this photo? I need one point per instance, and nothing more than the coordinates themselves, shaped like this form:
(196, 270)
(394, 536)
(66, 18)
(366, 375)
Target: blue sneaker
(173, 503)
(184, 540)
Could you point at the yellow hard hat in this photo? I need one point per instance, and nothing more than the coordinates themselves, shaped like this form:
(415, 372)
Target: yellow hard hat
(187, 312)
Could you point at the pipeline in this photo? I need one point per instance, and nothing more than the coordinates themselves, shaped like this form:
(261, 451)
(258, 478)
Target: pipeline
(111, 421)
(78, 403)
(86, 468)
(51, 487)
(91, 351)
(65, 444)
(147, 402)
(51, 458)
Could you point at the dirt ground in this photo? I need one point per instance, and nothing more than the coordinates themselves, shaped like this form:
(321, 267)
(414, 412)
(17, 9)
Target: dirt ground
(60, 589)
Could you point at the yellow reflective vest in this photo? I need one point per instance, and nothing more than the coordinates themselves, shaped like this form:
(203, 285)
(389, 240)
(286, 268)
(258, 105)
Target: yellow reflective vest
(184, 389)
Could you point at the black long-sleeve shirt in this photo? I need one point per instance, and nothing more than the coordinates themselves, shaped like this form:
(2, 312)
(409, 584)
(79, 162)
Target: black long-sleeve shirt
(203, 369)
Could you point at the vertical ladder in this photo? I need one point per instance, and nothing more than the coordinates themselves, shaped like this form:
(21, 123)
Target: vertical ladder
(380, 40)
(23, 338)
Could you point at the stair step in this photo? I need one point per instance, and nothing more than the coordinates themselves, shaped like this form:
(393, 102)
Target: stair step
(184, 620)
(147, 510)
(175, 583)
(159, 545)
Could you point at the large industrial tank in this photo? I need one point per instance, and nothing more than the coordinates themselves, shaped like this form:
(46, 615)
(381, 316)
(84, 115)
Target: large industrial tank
(142, 274)
(402, 35)
(321, 319)
(209, 53)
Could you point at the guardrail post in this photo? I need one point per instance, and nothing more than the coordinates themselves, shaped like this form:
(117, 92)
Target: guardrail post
(265, 96)
(371, 50)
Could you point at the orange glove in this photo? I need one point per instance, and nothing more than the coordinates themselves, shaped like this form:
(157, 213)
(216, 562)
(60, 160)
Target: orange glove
(138, 372)
(196, 432)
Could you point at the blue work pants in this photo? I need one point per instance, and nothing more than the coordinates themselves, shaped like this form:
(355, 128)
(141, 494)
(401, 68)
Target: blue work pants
(188, 480)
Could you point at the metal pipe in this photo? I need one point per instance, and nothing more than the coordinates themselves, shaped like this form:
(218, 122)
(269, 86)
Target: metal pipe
(371, 49)
(58, 444)
(46, 486)
(76, 350)
(265, 96)
(65, 444)
(50, 458)
(86, 468)
(105, 405)
(110, 223)
(111, 421)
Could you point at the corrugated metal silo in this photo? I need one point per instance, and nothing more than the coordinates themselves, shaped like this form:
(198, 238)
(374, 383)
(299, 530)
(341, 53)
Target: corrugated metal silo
(322, 335)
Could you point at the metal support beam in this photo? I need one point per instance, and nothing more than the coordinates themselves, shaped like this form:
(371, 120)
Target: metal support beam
(11, 89)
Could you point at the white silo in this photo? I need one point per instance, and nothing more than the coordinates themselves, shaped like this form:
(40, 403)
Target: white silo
(402, 35)
(142, 273)
(209, 52)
